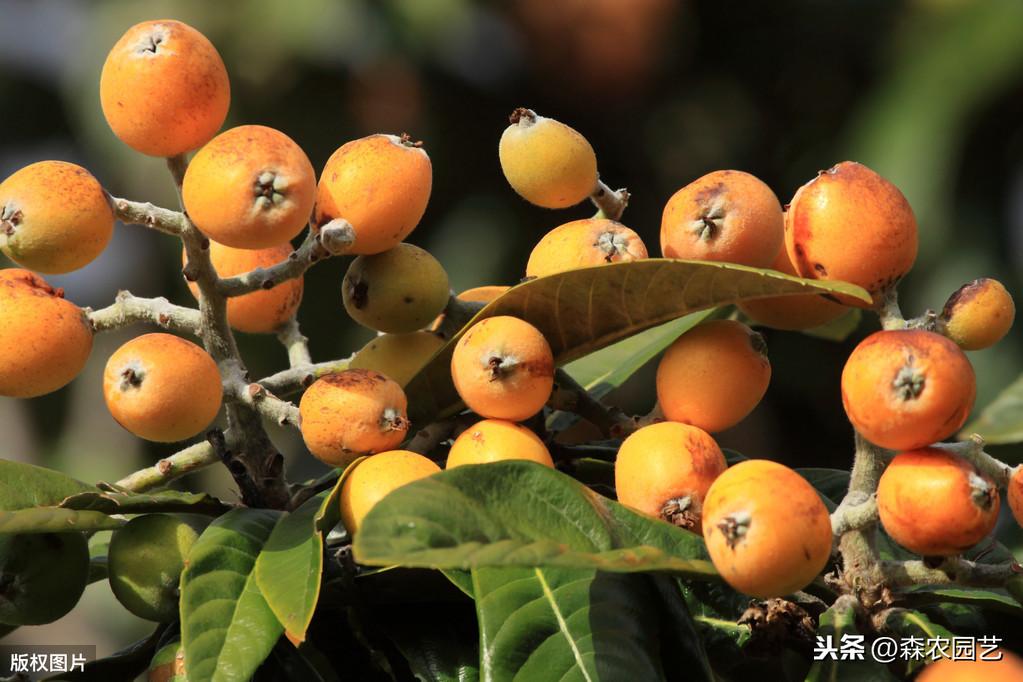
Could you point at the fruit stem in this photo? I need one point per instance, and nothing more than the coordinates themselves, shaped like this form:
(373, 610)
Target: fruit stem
(193, 458)
(295, 342)
(952, 570)
(857, 543)
(972, 450)
(610, 203)
(569, 396)
(128, 310)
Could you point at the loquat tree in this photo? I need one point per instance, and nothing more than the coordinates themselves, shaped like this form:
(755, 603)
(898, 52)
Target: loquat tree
(463, 529)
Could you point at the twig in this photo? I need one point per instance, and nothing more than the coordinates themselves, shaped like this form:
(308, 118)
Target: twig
(255, 396)
(610, 202)
(569, 396)
(860, 557)
(951, 570)
(128, 309)
(973, 451)
(296, 378)
(332, 239)
(432, 435)
(193, 458)
(295, 342)
(457, 313)
(889, 311)
(856, 511)
(146, 214)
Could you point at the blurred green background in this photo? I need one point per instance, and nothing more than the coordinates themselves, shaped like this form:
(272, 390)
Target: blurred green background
(927, 92)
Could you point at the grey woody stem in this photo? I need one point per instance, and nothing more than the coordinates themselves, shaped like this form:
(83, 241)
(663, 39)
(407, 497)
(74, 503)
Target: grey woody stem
(296, 378)
(432, 435)
(857, 541)
(145, 214)
(569, 396)
(973, 451)
(456, 315)
(952, 570)
(295, 343)
(128, 309)
(193, 458)
(610, 202)
(255, 396)
(332, 239)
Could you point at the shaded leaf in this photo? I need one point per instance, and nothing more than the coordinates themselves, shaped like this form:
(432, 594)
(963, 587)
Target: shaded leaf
(832, 483)
(125, 664)
(518, 513)
(908, 623)
(1002, 420)
(584, 310)
(289, 566)
(227, 628)
(440, 642)
(55, 520)
(164, 501)
(920, 595)
(835, 623)
(557, 624)
(26, 485)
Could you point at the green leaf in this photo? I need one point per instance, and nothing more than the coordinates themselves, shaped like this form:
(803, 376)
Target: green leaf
(908, 623)
(165, 501)
(830, 484)
(440, 642)
(289, 566)
(608, 368)
(25, 485)
(518, 513)
(559, 624)
(991, 600)
(838, 329)
(227, 627)
(584, 310)
(1002, 420)
(55, 520)
(836, 623)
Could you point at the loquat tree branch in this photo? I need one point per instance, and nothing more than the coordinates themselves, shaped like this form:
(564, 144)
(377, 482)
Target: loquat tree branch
(861, 569)
(193, 458)
(430, 436)
(569, 396)
(951, 570)
(610, 202)
(128, 309)
(255, 396)
(298, 377)
(333, 239)
(457, 313)
(146, 214)
(856, 511)
(973, 451)
(250, 447)
(295, 343)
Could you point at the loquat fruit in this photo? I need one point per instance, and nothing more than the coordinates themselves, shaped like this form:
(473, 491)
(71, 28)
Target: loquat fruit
(1008, 668)
(908, 388)
(496, 440)
(54, 217)
(44, 576)
(767, 531)
(726, 215)
(164, 88)
(162, 388)
(352, 413)
(581, 243)
(1014, 492)
(250, 187)
(373, 478)
(713, 375)
(144, 564)
(546, 162)
(398, 356)
(503, 368)
(259, 312)
(44, 339)
(664, 471)
(851, 224)
(907, 495)
(380, 184)
(791, 313)
(400, 290)
(979, 314)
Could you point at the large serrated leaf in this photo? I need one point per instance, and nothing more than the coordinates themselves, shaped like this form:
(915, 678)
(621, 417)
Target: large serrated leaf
(164, 501)
(519, 513)
(289, 566)
(584, 310)
(227, 628)
(561, 624)
(26, 485)
(1002, 420)
(55, 520)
